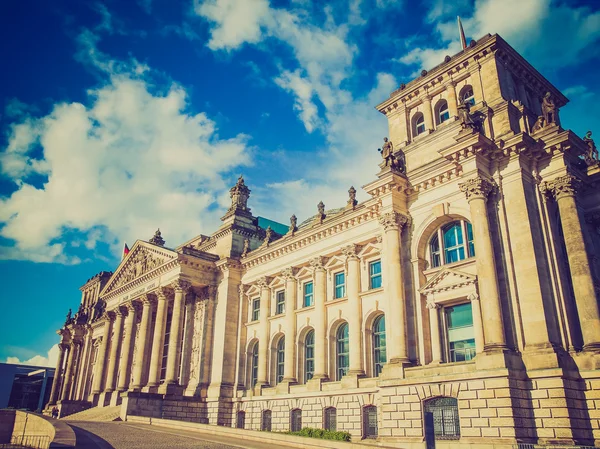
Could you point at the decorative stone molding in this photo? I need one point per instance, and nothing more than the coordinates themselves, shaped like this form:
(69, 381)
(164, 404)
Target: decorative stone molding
(263, 282)
(317, 263)
(351, 251)
(288, 273)
(473, 297)
(180, 285)
(393, 220)
(476, 188)
(163, 293)
(431, 304)
(561, 187)
(147, 299)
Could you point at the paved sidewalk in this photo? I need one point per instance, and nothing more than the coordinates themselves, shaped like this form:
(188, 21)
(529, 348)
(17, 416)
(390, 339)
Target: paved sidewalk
(123, 435)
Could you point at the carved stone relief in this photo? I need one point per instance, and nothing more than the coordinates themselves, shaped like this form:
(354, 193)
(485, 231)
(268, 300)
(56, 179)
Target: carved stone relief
(142, 262)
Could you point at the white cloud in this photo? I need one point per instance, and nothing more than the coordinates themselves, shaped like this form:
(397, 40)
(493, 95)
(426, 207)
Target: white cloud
(128, 161)
(49, 360)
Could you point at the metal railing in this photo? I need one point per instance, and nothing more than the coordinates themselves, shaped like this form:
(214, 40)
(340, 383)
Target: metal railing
(29, 441)
(544, 446)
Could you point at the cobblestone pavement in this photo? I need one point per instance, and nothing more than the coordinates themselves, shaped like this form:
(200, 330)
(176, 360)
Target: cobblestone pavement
(120, 435)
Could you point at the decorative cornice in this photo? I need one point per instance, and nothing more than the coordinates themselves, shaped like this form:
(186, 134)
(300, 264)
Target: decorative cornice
(393, 221)
(476, 188)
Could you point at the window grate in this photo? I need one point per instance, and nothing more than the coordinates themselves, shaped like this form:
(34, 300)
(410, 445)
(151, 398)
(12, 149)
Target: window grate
(446, 425)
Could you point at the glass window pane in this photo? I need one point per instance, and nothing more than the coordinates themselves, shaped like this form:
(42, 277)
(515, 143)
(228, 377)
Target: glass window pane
(309, 356)
(375, 274)
(343, 351)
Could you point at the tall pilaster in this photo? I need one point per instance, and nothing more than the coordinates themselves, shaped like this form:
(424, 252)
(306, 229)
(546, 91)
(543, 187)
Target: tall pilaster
(62, 347)
(434, 326)
(158, 339)
(477, 190)
(128, 341)
(392, 224)
(565, 191)
(173, 357)
(291, 289)
(263, 338)
(477, 324)
(71, 360)
(451, 98)
(83, 372)
(320, 295)
(188, 336)
(142, 344)
(99, 373)
(428, 113)
(355, 310)
(111, 377)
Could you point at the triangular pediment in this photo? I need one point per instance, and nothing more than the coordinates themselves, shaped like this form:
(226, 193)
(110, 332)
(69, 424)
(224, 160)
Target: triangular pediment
(447, 279)
(142, 259)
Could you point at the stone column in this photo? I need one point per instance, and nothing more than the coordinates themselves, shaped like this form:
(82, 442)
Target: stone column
(173, 356)
(452, 101)
(565, 190)
(477, 324)
(263, 333)
(142, 344)
(111, 377)
(188, 336)
(477, 190)
(320, 321)
(428, 114)
(128, 341)
(102, 350)
(71, 359)
(434, 325)
(355, 311)
(84, 366)
(158, 340)
(57, 374)
(291, 290)
(392, 224)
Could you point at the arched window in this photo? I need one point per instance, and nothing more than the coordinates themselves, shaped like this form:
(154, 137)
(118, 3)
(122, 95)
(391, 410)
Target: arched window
(449, 244)
(466, 95)
(445, 422)
(419, 124)
(343, 351)
(296, 420)
(370, 421)
(309, 356)
(254, 365)
(280, 359)
(379, 354)
(265, 423)
(241, 420)
(330, 419)
(442, 112)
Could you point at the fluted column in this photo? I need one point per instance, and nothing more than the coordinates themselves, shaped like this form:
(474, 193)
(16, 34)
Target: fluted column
(174, 354)
(263, 333)
(111, 378)
(128, 340)
(320, 321)
(477, 190)
(188, 336)
(392, 224)
(84, 366)
(102, 350)
(477, 323)
(434, 326)
(57, 374)
(565, 189)
(428, 113)
(142, 344)
(71, 359)
(452, 101)
(291, 289)
(355, 310)
(158, 339)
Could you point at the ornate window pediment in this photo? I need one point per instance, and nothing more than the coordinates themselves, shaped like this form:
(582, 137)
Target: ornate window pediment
(448, 279)
(143, 258)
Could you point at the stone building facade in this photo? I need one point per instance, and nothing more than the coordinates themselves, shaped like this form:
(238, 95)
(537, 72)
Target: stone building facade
(458, 303)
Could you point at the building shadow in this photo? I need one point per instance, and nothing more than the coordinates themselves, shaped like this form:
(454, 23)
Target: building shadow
(89, 440)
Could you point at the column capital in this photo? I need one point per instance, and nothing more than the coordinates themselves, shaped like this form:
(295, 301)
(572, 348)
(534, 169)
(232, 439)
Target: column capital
(263, 282)
(476, 188)
(351, 251)
(317, 263)
(179, 285)
(288, 274)
(393, 221)
(108, 317)
(561, 187)
(147, 300)
(63, 347)
(163, 293)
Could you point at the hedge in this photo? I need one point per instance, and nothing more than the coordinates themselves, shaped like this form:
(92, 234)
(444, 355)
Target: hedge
(322, 434)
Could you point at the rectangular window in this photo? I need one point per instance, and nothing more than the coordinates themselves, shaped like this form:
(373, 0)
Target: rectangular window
(340, 285)
(163, 366)
(461, 335)
(308, 294)
(280, 307)
(256, 309)
(375, 274)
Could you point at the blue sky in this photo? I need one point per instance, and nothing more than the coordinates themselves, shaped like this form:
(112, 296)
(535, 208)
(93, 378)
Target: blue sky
(121, 117)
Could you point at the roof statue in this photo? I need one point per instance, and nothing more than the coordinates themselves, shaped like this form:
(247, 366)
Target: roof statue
(396, 162)
(468, 119)
(321, 211)
(549, 109)
(352, 197)
(239, 194)
(157, 239)
(246, 247)
(293, 224)
(591, 155)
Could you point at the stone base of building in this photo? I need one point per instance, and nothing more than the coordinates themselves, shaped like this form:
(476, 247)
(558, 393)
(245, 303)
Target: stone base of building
(66, 408)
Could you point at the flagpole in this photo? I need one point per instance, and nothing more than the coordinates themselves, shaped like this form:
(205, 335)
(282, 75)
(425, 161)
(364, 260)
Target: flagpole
(461, 31)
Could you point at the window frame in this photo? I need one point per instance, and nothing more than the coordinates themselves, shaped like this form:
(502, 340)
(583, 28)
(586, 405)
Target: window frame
(305, 295)
(327, 415)
(295, 420)
(342, 340)
(463, 95)
(442, 112)
(419, 127)
(377, 349)
(375, 275)
(448, 352)
(254, 365)
(266, 424)
(255, 314)
(339, 290)
(280, 360)
(307, 359)
(438, 252)
(451, 408)
(280, 302)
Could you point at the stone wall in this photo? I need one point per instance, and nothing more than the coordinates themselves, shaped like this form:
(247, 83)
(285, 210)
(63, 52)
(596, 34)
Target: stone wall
(185, 409)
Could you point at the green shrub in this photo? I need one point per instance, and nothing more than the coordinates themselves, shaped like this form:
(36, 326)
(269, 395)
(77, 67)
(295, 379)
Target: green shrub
(322, 434)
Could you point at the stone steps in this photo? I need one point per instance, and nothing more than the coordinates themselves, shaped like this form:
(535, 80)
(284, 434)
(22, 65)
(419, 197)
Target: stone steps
(97, 414)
